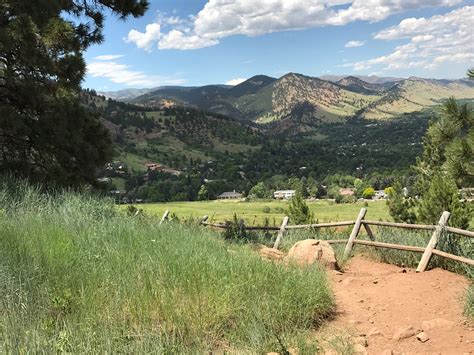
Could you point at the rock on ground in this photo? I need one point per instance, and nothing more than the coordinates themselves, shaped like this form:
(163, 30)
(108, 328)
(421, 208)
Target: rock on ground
(310, 251)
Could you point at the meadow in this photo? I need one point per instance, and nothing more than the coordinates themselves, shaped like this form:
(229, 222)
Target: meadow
(78, 275)
(253, 212)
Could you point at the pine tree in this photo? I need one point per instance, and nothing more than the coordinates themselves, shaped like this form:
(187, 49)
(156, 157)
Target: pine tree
(45, 131)
(443, 195)
(203, 194)
(299, 211)
(399, 206)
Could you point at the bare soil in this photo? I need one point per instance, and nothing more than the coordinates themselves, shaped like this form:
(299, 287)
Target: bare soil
(375, 301)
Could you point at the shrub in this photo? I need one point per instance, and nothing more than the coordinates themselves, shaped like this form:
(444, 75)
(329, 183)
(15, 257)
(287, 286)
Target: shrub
(299, 211)
(235, 231)
(266, 209)
(368, 193)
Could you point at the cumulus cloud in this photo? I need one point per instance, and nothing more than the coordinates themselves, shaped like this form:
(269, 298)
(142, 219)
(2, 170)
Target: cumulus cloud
(145, 40)
(178, 40)
(432, 41)
(352, 44)
(108, 56)
(235, 81)
(122, 74)
(223, 18)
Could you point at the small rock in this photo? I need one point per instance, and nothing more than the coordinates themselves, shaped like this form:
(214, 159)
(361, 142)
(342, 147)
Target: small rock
(336, 272)
(360, 301)
(362, 341)
(436, 323)
(359, 349)
(270, 253)
(405, 332)
(374, 332)
(375, 282)
(423, 337)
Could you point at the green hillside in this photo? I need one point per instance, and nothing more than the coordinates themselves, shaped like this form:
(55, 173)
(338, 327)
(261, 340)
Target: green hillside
(263, 99)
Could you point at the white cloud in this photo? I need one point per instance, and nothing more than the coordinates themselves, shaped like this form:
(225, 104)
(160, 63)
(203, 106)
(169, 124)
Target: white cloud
(352, 44)
(145, 40)
(235, 81)
(108, 56)
(432, 41)
(223, 18)
(121, 74)
(178, 40)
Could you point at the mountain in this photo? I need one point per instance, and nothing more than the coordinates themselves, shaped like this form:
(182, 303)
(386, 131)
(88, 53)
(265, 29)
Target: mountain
(371, 79)
(415, 94)
(262, 99)
(125, 94)
(353, 83)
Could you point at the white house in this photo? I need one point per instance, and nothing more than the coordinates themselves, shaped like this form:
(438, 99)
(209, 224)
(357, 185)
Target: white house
(284, 194)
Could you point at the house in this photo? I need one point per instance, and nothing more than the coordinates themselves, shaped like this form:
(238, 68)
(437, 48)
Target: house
(284, 194)
(162, 169)
(380, 195)
(346, 192)
(230, 195)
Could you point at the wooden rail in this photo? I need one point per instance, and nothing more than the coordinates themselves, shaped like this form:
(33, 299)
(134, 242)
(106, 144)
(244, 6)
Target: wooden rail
(360, 222)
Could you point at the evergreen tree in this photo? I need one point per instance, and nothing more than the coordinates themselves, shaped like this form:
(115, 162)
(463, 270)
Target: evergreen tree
(45, 132)
(399, 206)
(443, 195)
(203, 194)
(299, 211)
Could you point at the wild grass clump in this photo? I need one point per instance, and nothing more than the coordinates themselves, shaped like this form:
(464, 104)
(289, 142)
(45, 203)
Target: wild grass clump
(76, 276)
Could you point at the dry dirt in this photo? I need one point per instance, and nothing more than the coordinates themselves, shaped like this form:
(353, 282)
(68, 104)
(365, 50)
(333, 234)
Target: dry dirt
(377, 300)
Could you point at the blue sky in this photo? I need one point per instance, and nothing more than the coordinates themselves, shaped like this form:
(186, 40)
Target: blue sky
(198, 42)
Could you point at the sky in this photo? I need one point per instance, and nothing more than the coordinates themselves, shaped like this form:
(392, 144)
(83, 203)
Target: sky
(200, 42)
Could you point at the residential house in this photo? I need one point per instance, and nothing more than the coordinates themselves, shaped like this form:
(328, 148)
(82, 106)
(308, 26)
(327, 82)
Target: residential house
(284, 194)
(230, 195)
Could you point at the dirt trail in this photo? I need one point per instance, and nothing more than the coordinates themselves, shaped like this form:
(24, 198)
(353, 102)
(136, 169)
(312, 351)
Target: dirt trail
(378, 300)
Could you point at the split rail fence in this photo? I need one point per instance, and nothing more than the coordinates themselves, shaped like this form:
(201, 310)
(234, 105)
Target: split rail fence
(361, 222)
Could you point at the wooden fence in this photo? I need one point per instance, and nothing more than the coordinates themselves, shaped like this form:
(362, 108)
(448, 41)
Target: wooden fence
(361, 222)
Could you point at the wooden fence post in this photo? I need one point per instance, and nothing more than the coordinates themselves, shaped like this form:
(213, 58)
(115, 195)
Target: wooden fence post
(425, 259)
(165, 216)
(281, 233)
(203, 219)
(369, 232)
(354, 233)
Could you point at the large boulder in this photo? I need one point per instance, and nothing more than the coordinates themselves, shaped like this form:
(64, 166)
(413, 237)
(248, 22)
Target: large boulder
(310, 251)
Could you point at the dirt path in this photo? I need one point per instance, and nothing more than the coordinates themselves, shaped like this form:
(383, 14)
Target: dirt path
(376, 301)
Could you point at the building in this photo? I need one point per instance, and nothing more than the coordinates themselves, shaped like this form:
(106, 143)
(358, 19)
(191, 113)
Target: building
(346, 192)
(284, 194)
(380, 195)
(230, 195)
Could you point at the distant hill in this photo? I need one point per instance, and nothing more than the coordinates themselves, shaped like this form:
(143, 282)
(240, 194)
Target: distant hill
(371, 79)
(125, 94)
(263, 99)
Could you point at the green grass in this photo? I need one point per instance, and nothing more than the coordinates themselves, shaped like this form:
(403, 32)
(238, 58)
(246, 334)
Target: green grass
(76, 275)
(252, 212)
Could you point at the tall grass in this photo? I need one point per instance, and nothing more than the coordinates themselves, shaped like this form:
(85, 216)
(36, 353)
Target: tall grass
(77, 276)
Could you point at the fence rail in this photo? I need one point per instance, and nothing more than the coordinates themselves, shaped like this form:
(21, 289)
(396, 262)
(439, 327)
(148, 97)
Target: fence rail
(427, 251)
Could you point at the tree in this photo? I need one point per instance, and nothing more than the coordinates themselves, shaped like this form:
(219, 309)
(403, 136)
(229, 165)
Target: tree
(203, 193)
(46, 133)
(448, 147)
(259, 191)
(368, 193)
(400, 207)
(443, 195)
(299, 211)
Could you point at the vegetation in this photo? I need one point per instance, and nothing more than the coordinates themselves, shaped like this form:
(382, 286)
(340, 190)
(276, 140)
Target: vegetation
(76, 276)
(298, 210)
(46, 133)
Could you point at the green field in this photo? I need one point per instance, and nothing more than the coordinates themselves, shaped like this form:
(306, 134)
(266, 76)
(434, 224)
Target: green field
(252, 212)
